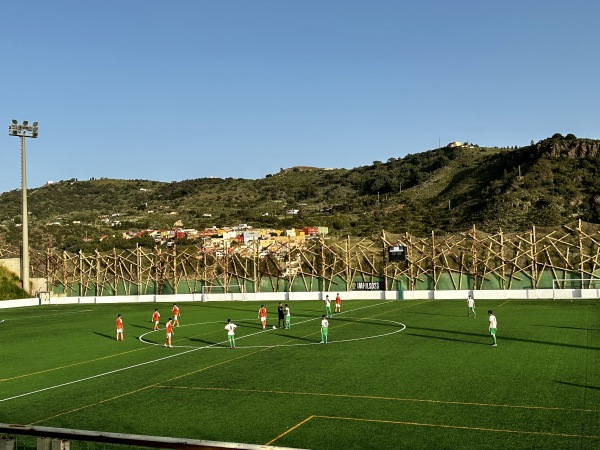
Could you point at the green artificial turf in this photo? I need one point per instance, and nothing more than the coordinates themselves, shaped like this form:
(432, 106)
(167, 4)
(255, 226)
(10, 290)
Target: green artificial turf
(395, 374)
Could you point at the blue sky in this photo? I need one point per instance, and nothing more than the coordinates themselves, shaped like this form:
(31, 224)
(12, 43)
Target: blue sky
(183, 89)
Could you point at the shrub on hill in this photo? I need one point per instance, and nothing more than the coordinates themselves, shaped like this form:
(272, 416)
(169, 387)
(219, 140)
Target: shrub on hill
(9, 286)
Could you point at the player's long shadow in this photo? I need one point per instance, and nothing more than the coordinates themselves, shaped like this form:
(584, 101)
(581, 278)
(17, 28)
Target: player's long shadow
(434, 314)
(505, 338)
(105, 335)
(248, 324)
(203, 341)
(300, 338)
(568, 328)
(141, 326)
(377, 323)
(578, 385)
(228, 308)
(441, 338)
(270, 309)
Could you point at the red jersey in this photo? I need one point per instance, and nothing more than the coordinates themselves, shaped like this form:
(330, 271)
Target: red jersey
(262, 312)
(119, 323)
(169, 327)
(155, 316)
(338, 300)
(175, 310)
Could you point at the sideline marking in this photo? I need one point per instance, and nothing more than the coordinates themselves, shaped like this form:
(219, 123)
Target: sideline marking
(375, 397)
(504, 303)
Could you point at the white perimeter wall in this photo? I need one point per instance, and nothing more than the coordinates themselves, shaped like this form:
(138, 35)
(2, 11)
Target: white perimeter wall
(269, 297)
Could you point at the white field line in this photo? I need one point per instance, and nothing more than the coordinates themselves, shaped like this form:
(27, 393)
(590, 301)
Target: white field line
(239, 337)
(49, 388)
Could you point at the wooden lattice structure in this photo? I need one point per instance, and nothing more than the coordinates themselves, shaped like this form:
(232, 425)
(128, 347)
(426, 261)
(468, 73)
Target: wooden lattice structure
(8, 251)
(469, 260)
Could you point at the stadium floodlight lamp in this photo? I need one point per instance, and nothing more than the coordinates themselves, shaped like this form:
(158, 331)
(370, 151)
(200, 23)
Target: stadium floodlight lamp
(24, 131)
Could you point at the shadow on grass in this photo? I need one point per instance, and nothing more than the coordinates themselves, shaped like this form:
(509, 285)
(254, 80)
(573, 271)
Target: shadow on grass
(112, 338)
(596, 388)
(567, 328)
(448, 339)
(500, 338)
(299, 338)
(378, 323)
(150, 327)
(203, 341)
(271, 308)
(435, 314)
(228, 308)
(250, 324)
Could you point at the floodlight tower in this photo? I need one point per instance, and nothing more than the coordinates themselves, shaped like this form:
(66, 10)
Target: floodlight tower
(23, 131)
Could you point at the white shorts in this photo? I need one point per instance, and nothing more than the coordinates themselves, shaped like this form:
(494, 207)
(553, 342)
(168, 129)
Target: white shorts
(156, 322)
(263, 319)
(175, 317)
(119, 330)
(168, 335)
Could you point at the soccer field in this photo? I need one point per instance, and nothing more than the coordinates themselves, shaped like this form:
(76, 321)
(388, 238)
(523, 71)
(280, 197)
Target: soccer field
(395, 374)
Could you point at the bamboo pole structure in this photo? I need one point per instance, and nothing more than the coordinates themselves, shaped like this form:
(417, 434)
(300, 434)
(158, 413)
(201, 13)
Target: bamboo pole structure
(533, 259)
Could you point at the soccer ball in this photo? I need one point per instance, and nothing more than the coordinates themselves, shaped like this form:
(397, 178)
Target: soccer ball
(274, 327)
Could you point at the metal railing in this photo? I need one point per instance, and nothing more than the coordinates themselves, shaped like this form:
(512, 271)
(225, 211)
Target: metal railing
(50, 438)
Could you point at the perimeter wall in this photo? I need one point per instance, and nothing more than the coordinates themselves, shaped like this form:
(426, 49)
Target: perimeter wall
(502, 294)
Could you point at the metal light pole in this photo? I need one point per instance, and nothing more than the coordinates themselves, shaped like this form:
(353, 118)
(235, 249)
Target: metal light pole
(23, 131)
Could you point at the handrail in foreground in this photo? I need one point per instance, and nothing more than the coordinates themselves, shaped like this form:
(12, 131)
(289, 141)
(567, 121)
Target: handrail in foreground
(127, 439)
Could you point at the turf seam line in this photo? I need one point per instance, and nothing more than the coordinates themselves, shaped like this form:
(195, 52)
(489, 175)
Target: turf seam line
(459, 427)
(374, 397)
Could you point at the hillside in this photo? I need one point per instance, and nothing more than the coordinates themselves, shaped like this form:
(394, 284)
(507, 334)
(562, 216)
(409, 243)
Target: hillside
(547, 183)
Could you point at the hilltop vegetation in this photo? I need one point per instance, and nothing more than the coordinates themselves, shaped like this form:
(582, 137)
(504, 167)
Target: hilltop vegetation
(548, 183)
